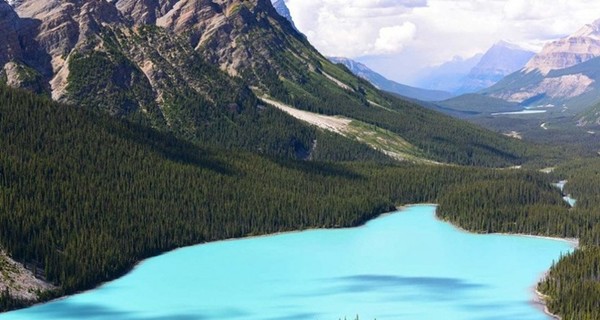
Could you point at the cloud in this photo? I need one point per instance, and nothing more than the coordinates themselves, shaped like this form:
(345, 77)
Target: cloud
(392, 39)
(354, 28)
(400, 37)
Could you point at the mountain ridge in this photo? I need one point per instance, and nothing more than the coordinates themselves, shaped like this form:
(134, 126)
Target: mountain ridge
(385, 84)
(502, 59)
(563, 74)
(197, 71)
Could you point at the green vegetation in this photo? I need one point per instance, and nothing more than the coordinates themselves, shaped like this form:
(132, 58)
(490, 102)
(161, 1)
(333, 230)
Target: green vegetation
(84, 197)
(439, 137)
(476, 103)
(7, 302)
(572, 286)
(284, 66)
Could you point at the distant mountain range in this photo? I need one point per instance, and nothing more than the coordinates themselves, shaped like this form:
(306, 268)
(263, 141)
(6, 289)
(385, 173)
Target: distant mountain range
(385, 84)
(500, 60)
(565, 73)
(449, 76)
(461, 76)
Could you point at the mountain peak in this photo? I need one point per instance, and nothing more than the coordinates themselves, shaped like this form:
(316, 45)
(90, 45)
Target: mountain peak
(508, 45)
(502, 59)
(283, 11)
(591, 30)
(385, 84)
(579, 47)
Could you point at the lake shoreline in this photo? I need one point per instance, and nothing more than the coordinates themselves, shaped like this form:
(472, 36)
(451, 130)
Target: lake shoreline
(537, 300)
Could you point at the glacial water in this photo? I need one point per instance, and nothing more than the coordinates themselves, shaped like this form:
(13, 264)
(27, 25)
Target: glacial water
(406, 265)
(522, 112)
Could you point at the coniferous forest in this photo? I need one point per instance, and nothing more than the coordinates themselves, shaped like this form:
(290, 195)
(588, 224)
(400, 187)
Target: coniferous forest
(164, 142)
(85, 196)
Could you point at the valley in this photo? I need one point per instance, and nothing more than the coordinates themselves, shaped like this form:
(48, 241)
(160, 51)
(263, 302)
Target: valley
(133, 128)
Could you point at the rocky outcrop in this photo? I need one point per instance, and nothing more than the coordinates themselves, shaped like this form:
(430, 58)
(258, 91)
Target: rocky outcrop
(562, 87)
(10, 48)
(237, 35)
(567, 52)
(55, 28)
(19, 281)
(142, 12)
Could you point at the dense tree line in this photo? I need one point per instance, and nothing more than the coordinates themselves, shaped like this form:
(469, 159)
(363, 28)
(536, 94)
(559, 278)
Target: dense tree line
(440, 137)
(573, 284)
(84, 197)
(202, 104)
(526, 206)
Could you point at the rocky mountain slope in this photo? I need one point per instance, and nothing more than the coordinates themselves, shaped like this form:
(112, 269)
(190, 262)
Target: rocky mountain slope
(563, 74)
(283, 11)
(153, 62)
(385, 84)
(579, 47)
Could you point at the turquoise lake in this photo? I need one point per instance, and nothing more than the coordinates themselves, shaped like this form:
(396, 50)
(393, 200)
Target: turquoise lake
(406, 265)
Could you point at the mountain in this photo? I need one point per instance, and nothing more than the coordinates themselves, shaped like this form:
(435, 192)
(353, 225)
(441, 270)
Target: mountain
(481, 71)
(283, 11)
(566, 72)
(233, 74)
(500, 60)
(181, 122)
(385, 84)
(579, 47)
(449, 76)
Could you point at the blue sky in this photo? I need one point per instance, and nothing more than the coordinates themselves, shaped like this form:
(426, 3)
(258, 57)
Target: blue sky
(400, 37)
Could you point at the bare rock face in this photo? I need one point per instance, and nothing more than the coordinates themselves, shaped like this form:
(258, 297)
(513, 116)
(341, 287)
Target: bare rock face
(143, 12)
(561, 87)
(198, 17)
(57, 27)
(234, 34)
(579, 47)
(10, 48)
(18, 281)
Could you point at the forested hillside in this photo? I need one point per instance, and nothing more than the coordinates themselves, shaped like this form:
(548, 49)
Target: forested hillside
(84, 197)
(195, 70)
(573, 283)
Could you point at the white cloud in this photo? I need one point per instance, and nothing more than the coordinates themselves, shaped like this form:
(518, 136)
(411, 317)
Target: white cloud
(399, 37)
(392, 39)
(355, 28)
